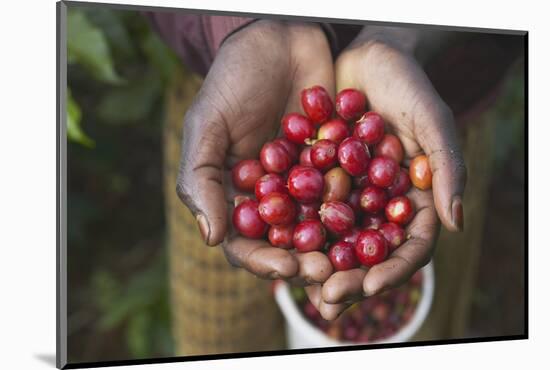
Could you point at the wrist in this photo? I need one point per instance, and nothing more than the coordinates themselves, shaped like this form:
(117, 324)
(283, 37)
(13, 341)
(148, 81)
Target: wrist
(421, 44)
(259, 35)
(371, 37)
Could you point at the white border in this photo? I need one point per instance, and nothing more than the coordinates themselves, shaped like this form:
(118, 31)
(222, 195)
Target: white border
(27, 188)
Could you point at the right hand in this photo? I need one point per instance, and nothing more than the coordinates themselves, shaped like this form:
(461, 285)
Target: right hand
(256, 78)
(381, 62)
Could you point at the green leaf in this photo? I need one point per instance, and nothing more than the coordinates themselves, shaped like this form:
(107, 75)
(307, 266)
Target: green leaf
(74, 132)
(138, 336)
(144, 290)
(132, 102)
(88, 47)
(160, 56)
(111, 23)
(121, 308)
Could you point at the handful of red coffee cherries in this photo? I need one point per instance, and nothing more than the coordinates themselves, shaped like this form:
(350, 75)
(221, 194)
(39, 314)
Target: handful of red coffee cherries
(331, 184)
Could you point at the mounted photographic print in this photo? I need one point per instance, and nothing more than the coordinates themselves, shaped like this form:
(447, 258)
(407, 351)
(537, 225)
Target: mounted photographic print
(235, 185)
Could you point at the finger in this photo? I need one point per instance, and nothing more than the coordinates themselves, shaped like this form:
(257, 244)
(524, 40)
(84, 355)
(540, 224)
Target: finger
(313, 268)
(344, 286)
(199, 183)
(331, 312)
(307, 75)
(418, 107)
(413, 254)
(436, 134)
(313, 293)
(259, 258)
(328, 311)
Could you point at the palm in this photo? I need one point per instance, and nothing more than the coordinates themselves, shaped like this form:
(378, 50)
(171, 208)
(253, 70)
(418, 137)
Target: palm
(398, 89)
(256, 78)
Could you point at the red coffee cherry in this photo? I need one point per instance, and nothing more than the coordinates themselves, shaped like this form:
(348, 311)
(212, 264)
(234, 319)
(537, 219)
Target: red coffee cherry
(309, 236)
(371, 247)
(353, 156)
(361, 182)
(342, 256)
(269, 183)
(351, 236)
(383, 171)
(277, 209)
(390, 146)
(305, 184)
(420, 172)
(370, 128)
(297, 128)
(354, 201)
(334, 130)
(317, 104)
(275, 158)
(401, 185)
(247, 220)
(291, 148)
(373, 199)
(324, 154)
(281, 236)
(350, 104)
(337, 185)
(305, 157)
(373, 221)
(394, 234)
(308, 211)
(337, 217)
(400, 210)
(246, 173)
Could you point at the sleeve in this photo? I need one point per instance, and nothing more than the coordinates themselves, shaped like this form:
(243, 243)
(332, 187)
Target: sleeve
(197, 38)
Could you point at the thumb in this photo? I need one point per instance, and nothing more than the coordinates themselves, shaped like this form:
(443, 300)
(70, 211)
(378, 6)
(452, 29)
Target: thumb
(199, 182)
(436, 134)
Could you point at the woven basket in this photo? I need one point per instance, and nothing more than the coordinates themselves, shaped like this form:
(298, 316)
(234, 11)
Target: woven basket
(216, 308)
(457, 254)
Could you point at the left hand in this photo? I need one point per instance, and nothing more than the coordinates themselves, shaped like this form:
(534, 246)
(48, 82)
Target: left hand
(381, 64)
(256, 78)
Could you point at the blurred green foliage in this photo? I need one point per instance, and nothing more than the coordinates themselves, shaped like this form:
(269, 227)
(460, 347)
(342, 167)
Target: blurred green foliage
(117, 73)
(119, 50)
(509, 114)
(74, 132)
(87, 46)
(140, 304)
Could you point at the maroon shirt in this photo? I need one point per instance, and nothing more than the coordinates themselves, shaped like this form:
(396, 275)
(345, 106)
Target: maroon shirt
(466, 74)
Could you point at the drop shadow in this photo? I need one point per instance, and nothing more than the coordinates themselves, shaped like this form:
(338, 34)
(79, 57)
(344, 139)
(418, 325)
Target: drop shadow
(47, 358)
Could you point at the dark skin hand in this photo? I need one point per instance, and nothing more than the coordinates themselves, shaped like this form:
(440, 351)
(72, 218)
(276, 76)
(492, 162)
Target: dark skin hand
(380, 63)
(256, 78)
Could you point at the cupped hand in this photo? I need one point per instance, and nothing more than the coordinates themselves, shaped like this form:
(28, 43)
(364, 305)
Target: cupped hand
(257, 76)
(380, 62)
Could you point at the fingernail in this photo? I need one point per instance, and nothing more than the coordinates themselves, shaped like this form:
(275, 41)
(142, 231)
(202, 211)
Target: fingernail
(203, 227)
(274, 275)
(368, 291)
(458, 213)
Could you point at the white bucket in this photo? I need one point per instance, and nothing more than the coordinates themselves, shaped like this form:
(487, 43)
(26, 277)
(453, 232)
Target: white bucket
(303, 334)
